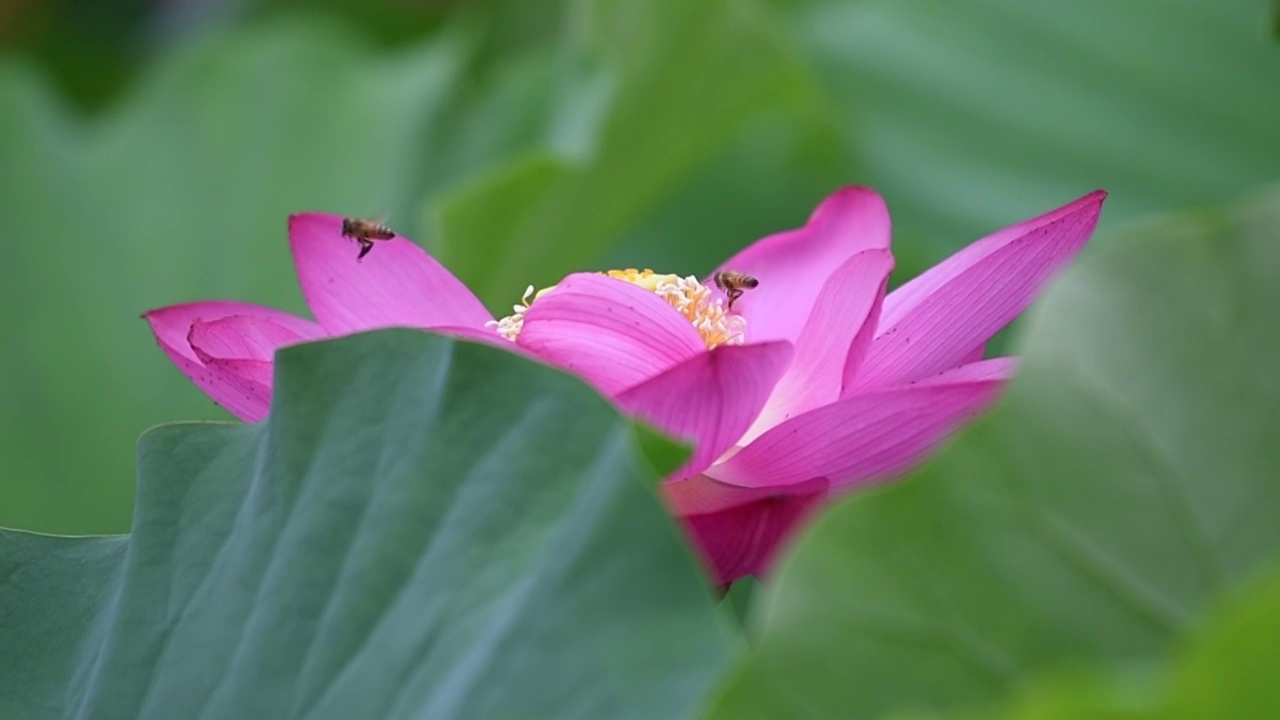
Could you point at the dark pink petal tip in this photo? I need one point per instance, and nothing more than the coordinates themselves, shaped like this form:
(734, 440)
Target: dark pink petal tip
(746, 539)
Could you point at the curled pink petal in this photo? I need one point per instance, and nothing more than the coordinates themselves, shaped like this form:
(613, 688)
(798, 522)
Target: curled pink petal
(172, 324)
(396, 285)
(711, 398)
(870, 436)
(172, 327)
(838, 332)
(608, 331)
(792, 266)
(237, 352)
(746, 539)
(938, 319)
(244, 337)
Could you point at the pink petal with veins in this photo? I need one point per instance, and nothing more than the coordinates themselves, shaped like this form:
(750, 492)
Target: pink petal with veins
(870, 436)
(792, 266)
(938, 319)
(839, 330)
(396, 285)
(608, 331)
(243, 386)
(746, 539)
(711, 398)
(243, 337)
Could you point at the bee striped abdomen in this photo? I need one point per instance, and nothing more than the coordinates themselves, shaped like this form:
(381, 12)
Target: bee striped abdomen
(734, 284)
(381, 232)
(365, 232)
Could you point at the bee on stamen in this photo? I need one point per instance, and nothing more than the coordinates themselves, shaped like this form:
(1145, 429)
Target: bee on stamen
(734, 284)
(365, 232)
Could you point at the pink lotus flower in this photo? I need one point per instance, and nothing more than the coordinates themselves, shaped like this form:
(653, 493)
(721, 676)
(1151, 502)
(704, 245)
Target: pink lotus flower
(814, 383)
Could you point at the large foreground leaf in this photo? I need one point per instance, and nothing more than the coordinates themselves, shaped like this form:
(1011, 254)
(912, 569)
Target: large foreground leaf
(421, 529)
(1127, 479)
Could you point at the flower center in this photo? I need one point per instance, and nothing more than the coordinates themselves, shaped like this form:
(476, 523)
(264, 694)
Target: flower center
(695, 301)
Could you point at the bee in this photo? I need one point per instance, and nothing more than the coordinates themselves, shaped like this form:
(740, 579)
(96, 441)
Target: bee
(365, 232)
(734, 284)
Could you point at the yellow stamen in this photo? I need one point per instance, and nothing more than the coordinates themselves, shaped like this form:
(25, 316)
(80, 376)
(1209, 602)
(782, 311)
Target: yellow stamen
(695, 301)
(647, 279)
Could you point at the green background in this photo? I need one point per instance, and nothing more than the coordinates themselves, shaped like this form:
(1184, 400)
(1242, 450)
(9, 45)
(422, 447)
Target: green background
(152, 156)
(1103, 544)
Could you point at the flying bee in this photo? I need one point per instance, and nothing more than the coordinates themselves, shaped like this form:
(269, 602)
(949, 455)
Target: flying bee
(365, 232)
(734, 284)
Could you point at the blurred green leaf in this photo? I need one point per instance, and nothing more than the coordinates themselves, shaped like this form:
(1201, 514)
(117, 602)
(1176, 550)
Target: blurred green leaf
(1075, 694)
(179, 194)
(965, 113)
(1226, 669)
(421, 529)
(663, 455)
(1230, 669)
(91, 49)
(651, 92)
(1127, 478)
(770, 179)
